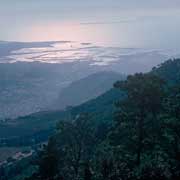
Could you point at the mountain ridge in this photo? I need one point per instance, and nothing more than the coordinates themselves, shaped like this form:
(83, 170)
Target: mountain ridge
(87, 88)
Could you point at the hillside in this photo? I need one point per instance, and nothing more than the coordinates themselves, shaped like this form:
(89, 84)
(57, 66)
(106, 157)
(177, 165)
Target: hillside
(101, 108)
(169, 71)
(26, 88)
(39, 125)
(109, 144)
(87, 88)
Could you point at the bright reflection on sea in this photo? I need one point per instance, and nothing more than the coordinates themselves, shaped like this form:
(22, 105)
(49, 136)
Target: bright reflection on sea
(66, 52)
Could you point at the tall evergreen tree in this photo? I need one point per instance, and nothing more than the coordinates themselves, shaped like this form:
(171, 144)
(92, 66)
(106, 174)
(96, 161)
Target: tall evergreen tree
(48, 165)
(136, 118)
(171, 127)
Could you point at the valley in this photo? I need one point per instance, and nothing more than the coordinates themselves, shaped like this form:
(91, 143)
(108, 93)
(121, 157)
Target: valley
(32, 75)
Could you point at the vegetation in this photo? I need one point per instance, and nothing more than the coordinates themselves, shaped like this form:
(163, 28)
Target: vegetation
(141, 141)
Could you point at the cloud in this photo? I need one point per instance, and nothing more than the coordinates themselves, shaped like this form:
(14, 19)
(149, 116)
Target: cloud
(108, 22)
(135, 4)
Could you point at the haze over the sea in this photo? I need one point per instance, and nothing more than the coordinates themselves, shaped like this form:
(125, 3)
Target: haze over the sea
(137, 23)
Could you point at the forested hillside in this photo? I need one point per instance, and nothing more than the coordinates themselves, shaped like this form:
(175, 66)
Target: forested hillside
(169, 71)
(136, 137)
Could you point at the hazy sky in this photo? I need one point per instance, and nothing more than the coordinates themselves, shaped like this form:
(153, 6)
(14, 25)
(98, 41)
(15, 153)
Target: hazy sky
(125, 23)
